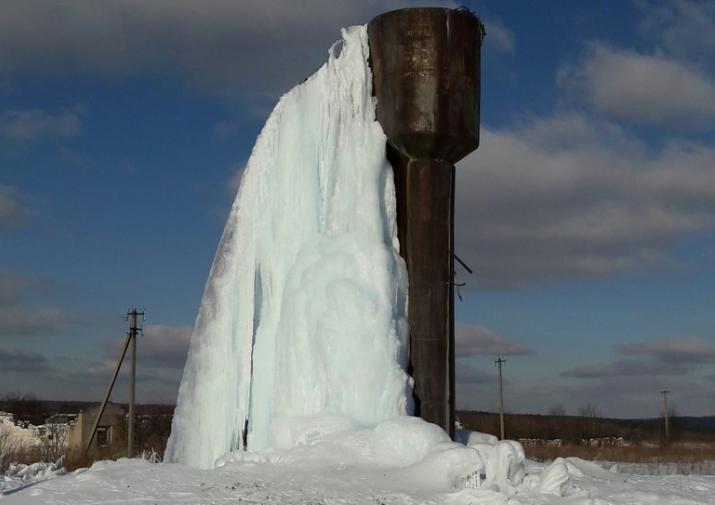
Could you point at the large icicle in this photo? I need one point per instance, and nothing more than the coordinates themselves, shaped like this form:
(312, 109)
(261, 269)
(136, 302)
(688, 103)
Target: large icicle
(304, 311)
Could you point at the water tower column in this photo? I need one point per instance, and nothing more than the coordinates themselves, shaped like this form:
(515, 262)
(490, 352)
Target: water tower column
(425, 64)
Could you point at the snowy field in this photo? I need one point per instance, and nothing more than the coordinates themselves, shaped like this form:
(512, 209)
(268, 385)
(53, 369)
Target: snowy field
(402, 461)
(663, 468)
(137, 481)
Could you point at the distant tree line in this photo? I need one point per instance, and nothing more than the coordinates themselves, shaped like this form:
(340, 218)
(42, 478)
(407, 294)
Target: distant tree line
(588, 424)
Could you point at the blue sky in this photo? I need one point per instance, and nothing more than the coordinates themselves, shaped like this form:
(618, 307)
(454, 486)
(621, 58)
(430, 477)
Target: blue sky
(587, 213)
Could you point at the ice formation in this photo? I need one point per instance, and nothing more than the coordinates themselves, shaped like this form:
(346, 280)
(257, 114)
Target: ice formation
(555, 478)
(409, 448)
(303, 314)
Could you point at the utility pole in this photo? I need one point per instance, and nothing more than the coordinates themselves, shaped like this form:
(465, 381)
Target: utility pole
(131, 339)
(134, 328)
(665, 415)
(499, 362)
(100, 413)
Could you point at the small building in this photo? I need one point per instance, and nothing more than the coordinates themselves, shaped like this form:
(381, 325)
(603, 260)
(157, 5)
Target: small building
(111, 429)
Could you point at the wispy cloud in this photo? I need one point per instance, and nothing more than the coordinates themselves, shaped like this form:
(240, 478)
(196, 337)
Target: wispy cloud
(474, 340)
(624, 369)
(166, 345)
(676, 356)
(161, 354)
(499, 37)
(681, 28)
(466, 375)
(17, 360)
(161, 346)
(99, 373)
(19, 320)
(618, 396)
(26, 125)
(677, 351)
(22, 322)
(12, 212)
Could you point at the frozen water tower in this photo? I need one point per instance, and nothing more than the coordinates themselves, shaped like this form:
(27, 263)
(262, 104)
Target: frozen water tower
(425, 64)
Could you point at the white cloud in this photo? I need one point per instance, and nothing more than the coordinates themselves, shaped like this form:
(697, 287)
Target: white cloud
(248, 49)
(474, 340)
(570, 197)
(643, 88)
(25, 125)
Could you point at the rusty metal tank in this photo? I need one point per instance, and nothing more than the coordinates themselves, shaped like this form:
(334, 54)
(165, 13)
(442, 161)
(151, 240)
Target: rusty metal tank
(425, 64)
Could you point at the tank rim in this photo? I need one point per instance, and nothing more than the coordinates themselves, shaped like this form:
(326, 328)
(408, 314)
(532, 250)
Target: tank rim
(462, 10)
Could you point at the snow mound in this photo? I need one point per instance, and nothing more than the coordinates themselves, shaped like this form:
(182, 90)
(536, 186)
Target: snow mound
(19, 475)
(555, 478)
(418, 450)
(468, 437)
(504, 467)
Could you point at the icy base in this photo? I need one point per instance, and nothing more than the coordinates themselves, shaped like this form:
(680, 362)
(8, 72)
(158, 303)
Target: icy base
(408, 447)
(401, 462)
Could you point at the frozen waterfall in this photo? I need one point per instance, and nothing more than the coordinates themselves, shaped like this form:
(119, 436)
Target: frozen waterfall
(303, 314)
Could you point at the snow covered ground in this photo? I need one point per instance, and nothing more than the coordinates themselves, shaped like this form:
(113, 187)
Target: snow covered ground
(402, 461)
(19, 475)
(662, 468)
(137, 481)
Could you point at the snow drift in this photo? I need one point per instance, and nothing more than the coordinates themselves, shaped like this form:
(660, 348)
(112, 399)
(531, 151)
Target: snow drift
(304, 310)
